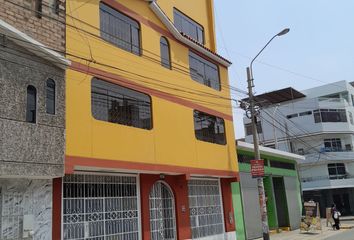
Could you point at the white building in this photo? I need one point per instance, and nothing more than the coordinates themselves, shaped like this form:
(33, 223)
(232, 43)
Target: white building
(317, 123)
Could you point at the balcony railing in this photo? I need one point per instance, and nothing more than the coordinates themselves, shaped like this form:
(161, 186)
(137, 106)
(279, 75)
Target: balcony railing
(330, 177)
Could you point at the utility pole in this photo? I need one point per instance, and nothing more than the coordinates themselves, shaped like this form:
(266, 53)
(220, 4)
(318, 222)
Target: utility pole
(257, 155)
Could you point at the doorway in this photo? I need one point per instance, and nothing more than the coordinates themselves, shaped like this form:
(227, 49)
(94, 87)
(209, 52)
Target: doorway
(280, 202)
(162, 212)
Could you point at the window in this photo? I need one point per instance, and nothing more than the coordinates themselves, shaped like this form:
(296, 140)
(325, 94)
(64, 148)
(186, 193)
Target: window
(165, 53)
(209, 128)
(329, 115)
(117, 104)
(50, 99)
(205, 208)
(301, 151)
(351, 118)
(39, 8)
(336, 171)
(283, 165)
(248, 128)
(119, 29)
(203, 71)
(291, 116)
(348, 147)
(31, 110)
(305, 113)
(188, 26)
(333, 145)
(100, 207)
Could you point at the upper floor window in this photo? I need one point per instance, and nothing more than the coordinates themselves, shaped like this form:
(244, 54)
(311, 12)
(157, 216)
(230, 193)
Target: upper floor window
(284, 165)
(31, 109)
(50, 98)
(204, 71)
(333, 145)
(39, 8)
(119, 29)
(249, 131)
(117, 104)
(336, 171)
(330, 115)
(165, 53)
(209, 128)
(188, 26)
(292, 115)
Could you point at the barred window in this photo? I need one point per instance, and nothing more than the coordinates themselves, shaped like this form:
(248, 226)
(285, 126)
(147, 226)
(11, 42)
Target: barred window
(205, 208)
(188, 26)
(204, 71)
(100, 207)
(209, 128)
(119, 29)
(165, 53)
(117, 104)
(50, 97)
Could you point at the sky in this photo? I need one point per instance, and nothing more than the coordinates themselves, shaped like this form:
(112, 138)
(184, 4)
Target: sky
(319, 48)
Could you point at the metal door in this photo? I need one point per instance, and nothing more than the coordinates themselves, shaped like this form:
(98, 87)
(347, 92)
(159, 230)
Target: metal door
(100, 207)
(162, 212)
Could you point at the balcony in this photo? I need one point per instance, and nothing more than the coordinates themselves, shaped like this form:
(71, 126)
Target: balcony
(329, 157)
(327, 182)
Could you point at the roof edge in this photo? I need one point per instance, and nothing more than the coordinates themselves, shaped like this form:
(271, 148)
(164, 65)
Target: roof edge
(174, 31)
(33, 46)
(270, 151)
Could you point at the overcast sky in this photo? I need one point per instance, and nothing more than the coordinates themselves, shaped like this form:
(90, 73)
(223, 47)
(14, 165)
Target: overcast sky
(318, 49)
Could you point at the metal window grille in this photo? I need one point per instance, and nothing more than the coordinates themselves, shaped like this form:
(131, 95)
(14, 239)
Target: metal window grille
(162, 212)
(205, 208)
(100, 207)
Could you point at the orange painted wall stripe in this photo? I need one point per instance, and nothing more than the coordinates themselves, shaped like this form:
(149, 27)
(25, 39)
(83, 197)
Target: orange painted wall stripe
(114, 78)
(72, 161)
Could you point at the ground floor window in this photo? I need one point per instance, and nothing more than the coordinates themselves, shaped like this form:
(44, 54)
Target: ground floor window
(205, 208)
(100, 207)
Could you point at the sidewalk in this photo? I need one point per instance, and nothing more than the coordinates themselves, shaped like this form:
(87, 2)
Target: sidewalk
(318, 235)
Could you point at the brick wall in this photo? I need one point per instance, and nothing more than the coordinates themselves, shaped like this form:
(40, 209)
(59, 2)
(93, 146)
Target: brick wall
(48, 28)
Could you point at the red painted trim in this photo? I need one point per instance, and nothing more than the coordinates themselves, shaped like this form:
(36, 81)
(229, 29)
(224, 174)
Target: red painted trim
(227, 204)
(56, 212)
(179, 186)
(114, 78)
(136, 16)
(72, 161)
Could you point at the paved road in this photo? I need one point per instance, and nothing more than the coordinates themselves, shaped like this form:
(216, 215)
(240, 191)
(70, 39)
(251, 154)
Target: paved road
(346, 235)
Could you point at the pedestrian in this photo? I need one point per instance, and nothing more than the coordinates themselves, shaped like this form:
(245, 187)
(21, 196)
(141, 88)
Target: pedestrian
(335, 215)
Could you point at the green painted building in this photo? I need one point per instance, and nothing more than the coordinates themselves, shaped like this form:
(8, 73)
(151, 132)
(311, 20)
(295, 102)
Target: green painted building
(282, 189)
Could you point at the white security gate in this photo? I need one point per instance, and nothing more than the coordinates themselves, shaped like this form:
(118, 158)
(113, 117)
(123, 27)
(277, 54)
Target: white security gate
(100, 207)
(205, 208)
(162, 212)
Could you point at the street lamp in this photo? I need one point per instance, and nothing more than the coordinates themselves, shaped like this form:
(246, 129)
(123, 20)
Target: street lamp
(262, 201)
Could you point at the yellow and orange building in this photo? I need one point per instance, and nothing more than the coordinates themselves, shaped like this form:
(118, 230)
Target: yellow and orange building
(150, 150)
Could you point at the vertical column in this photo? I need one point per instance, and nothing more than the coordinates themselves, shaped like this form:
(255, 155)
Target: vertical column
(57, 209)
(238, 209)
(227, 204)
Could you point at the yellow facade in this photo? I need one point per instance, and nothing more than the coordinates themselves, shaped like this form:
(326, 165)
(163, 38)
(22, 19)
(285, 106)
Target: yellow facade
(172, 140)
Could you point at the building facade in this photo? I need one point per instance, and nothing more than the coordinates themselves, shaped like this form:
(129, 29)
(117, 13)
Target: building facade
(32, 115)
(150, 141)
(282, 190)
(317, 123)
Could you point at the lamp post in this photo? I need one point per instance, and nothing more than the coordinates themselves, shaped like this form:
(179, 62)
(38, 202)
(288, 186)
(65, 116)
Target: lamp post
(262, 201)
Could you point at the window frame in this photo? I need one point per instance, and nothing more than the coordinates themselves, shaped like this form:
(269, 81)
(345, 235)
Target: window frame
(214, 140)
(129, 89)
(131, 21)
(193, 72)
(337, 175)
(34, 111)
(196, 24)
(168, 46)
(50, 80)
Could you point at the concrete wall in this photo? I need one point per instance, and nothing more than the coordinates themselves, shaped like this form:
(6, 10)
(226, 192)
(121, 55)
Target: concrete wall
(27, 149)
